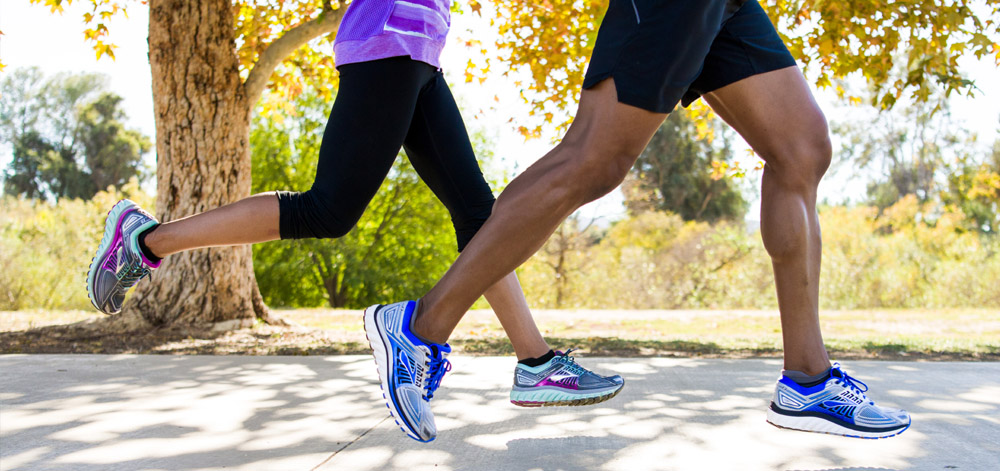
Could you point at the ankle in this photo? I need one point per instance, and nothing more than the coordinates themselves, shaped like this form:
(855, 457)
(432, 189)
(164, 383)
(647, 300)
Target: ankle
(538, 360)
(809, 368)
(424, 329)
(145, 241)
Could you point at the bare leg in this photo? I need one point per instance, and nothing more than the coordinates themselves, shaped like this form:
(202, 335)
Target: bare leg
(247, 221)
(507, 300)
(600, 147)
(777, 115)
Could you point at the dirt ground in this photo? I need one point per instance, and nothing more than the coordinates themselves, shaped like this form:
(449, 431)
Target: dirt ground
(105, 336)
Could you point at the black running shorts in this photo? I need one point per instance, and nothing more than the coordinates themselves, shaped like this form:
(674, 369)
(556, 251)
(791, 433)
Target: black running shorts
(662, 51)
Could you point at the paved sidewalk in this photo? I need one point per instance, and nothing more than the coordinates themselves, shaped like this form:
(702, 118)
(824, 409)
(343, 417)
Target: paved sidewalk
(125, 412)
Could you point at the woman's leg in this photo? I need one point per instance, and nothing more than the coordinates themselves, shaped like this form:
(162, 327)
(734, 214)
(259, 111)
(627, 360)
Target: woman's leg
(438, 146)
(369, 120)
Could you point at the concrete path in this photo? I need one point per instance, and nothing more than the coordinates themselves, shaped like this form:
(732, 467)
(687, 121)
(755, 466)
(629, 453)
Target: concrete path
(84, 412)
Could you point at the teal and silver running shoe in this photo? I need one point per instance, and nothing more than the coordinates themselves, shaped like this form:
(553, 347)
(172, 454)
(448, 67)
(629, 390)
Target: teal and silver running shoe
(119, 263)
(561, 382)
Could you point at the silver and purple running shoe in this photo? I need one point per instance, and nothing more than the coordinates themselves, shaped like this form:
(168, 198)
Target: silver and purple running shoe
(561, 382)
(836, 406)
(409, 369)
(119, 263)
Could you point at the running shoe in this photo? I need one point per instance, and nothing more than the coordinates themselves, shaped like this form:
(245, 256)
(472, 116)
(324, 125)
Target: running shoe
(119, 264)
(409, 369)
(561, 382)
(836, 406)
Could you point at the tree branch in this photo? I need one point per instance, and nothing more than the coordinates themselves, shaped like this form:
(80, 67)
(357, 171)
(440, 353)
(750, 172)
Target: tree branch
(327, 22)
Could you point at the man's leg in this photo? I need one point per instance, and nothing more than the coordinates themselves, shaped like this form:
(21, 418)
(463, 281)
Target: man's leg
(777, 115)
(438, 146)
(599, 149)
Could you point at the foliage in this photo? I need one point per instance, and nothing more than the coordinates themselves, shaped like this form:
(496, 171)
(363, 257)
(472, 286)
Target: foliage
(862, 36)
(67, 134)
(912, 255)
(551, 40)
(896, 258)
(45, 248)
(563, 258)
(674, 173)
(401, 245)
(256, 25)
(974, 189)
(911, 150)
(907, 255)
(309, 68)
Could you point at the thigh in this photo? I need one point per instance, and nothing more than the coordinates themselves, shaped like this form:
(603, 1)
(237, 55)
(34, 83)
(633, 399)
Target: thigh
(775, 112)
(747, 45)
(366, 128)
(438, 145)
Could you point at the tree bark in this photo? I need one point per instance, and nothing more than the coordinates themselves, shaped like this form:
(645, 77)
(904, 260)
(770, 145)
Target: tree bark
(202, 111)
(203, 161)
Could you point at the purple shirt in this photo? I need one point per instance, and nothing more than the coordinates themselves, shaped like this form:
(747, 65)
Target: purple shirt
(378, 29)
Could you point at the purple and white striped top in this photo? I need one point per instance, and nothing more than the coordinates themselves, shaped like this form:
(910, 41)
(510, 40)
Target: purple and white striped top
(378, 29)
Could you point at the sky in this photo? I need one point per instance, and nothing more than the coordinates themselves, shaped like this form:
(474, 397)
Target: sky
(35, 37)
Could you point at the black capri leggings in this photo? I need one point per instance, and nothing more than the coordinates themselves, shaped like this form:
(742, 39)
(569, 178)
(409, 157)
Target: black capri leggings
(382, 105)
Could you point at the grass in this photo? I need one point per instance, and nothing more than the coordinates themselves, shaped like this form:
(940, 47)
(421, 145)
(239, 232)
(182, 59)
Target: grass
(897, 334)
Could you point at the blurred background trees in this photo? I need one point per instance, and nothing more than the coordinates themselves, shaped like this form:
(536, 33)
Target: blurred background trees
(68, 136)
(919, 229)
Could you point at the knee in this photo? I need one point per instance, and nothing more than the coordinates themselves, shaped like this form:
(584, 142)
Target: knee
(468, 221)
(803, 160)
(332, 228)
(598, 169)
(310, 215)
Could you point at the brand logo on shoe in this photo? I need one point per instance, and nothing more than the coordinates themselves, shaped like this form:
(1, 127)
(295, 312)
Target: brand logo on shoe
(561, 376)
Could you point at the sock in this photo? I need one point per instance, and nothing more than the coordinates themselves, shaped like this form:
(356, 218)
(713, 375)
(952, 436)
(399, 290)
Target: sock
(538, 361)
(142, 245)
(805, 380)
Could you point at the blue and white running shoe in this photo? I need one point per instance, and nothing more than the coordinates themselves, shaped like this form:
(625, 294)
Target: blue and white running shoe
(837, 406)
(409, 369)
(561, 382)
(119, 263)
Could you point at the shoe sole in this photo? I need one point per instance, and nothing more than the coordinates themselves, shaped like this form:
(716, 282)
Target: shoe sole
(583, 401)
(818, 425)
(378, 344)
(111, 227)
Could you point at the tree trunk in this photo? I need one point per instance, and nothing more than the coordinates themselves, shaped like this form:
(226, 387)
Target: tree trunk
(203, 161)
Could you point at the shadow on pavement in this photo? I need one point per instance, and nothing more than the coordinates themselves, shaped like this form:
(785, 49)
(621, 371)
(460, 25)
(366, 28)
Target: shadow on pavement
(85, 412)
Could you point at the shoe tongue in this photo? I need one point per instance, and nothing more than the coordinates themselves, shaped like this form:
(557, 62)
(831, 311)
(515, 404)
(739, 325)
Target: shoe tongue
(836, 373)
(439, 350)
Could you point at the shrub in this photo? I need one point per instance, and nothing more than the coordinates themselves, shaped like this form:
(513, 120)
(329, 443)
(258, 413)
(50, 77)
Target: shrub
(46, 248)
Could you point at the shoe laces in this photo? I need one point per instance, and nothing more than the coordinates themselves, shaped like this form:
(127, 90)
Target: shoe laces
(437, 366)
(569, 362)
(133, 274)
(851, 382)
